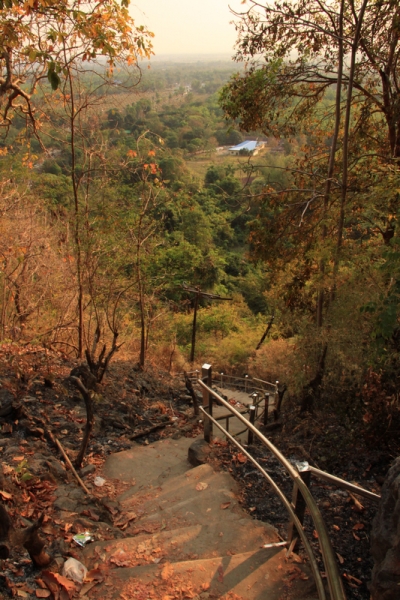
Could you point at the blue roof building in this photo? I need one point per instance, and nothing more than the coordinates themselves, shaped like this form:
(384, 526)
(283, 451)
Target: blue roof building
(249, 146)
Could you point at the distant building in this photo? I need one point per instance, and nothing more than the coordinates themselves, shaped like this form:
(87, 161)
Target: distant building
(250, 147)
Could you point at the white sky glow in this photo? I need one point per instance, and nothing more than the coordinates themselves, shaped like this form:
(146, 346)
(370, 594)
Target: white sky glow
(189, 26)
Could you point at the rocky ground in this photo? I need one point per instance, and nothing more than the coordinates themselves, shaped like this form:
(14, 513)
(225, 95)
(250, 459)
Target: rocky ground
(38, 402)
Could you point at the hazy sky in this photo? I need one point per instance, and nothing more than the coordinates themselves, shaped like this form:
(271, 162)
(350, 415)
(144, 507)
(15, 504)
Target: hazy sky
(188, 26)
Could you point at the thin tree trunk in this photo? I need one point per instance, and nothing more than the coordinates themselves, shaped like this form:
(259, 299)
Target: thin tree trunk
(331, 165)
(142, 354)
(77, 237)
(266, 332)
(192, 350)
(346, 140)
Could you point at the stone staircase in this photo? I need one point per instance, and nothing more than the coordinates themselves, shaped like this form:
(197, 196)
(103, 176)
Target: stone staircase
(188, 536)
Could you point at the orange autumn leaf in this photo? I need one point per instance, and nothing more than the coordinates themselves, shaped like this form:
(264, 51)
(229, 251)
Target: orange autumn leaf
(167, 571)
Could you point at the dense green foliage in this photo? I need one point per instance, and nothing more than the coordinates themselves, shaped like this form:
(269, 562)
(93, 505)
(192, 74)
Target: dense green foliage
(126, 198)
(142, 202)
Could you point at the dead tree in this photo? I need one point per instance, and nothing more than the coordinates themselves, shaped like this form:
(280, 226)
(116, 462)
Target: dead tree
(99, 367)
(281, 392)
(266, 332)
(312, 391)
(88, 398)
(29, 538)
(190, 389)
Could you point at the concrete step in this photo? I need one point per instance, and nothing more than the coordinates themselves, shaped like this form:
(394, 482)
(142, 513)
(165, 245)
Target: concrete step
(191, 542)
(188, 536)
(149, 466)
(264, 574)
(198, 497)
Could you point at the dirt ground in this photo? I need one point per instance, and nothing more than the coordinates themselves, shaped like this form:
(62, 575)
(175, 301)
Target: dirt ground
(38, 402)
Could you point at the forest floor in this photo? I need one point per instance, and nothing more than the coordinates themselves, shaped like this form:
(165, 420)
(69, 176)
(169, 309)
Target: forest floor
(140, 407)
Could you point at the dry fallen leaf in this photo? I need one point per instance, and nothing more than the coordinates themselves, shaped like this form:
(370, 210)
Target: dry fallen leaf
(201, 486)
(242, 458)
(357, 504)
(43, 593)
(167, 572)
(94, 575)
(121, 559)
(5, 495)
(356, 526)
(125, 519)
(340, 557)
(65, 582)
(350, 578)
(225, 505)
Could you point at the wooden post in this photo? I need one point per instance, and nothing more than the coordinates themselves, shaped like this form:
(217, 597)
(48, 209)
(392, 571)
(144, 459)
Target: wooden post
(298, 504)
(206, 376)
(196, 304)
(245, 383)
(198, 294)
(250, 436)
(266, 407)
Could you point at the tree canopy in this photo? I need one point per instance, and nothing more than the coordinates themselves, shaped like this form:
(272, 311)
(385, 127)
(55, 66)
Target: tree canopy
(296, 51)
(40, 39)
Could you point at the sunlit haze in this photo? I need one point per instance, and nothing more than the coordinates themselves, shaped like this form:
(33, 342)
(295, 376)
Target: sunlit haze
(189, 26)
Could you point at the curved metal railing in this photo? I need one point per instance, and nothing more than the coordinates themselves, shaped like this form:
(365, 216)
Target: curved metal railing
(332, 572)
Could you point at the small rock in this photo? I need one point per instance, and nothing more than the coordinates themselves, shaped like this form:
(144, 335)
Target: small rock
(77, 494)
(65, 503)
(198, 452)
(57, 564)
(56, 469)
(87, 470)
(13, 450)
(385, 539)
(187, 428)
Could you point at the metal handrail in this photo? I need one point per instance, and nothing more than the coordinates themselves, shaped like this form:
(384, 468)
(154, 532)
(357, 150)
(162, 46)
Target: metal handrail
(344, 484)
(333, 576)
(274, 385)
(285, 501)
(246, 380)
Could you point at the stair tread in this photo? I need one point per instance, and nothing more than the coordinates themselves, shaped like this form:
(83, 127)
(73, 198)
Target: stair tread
(191, 534)
(265, 573)
(197, 540)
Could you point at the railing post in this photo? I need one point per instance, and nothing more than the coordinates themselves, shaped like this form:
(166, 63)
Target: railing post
(254, 397)
(298, 503)
(246, 377)
(266, 407)
(250, 435)
(206, 376)
(222, 375)
(276, 393)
